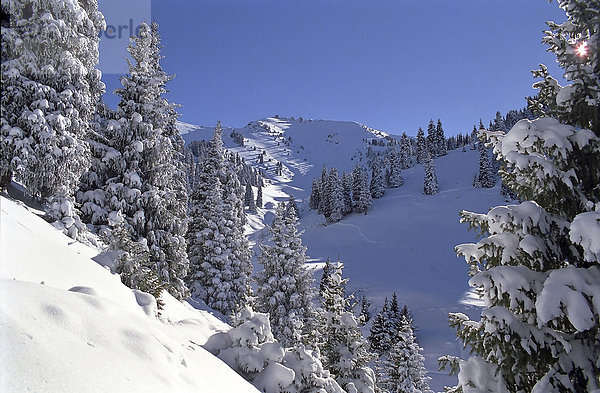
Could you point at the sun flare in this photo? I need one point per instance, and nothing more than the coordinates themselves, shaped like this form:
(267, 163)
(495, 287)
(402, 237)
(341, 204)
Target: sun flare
(582, 49)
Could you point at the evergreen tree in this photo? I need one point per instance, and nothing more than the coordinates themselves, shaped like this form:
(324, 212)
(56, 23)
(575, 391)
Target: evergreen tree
(50, 89)
(364, 313)
(442, 147)
(347, 183)
(405, 152)
(431, 183)
(323, 197)
(406, 372)
(248, 194)
(485, 177)
(421, 147)
(315, 195)
(133, 264)
(361, 196)
(344, 350)
(284, 286)
(377, 187)
(379, 336)
(334, 200)
(498, 123)
(150, 190)
(292, 206)
(432, 140)
(259, 196)
(536, 266)
(249, 199)
(395, 175)
(218, 250)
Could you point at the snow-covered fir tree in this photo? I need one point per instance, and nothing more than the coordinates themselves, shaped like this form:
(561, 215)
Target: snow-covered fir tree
(50, 89)
(259, 196)
(251, 202)
(380, 338)
(405, 369)
(220, 267)
(432, 140)
(406, 152)
(347, 183)
(364, 315)
(421, 146)
(334, 199)
(485, 177)
(248, 194)
(344, 350)
(377, 186)
(442, 147)
(315, 195)
(537, 265)
(292, 207)
(361, 195)
(133, 262)
(284, 286)
(431, 182)
(322, 209)
(150, 190)
(395, 169)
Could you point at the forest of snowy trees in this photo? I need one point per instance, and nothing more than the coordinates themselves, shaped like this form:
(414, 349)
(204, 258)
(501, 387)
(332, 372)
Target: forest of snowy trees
(174, 216)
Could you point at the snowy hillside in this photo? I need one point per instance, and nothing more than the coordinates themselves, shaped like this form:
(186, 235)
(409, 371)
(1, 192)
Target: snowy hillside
(67, 324)
(404, 244)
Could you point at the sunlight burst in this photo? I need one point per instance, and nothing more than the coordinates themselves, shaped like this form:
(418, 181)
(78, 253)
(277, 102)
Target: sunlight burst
(582, 49)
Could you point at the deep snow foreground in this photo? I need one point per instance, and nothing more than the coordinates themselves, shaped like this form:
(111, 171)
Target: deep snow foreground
(68, 325)
(404, 244)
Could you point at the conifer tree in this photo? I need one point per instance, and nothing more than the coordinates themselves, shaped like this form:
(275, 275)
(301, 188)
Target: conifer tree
(334, 197)
(133, 264)
(347, 183)
(150, 190)
(432, 140)
(377, 187)
(442, 147)
(361, 196)
(344, 350)
(395, 175)
(50, 89)
(218, 250)
(535, 264)
(379, 336)
(431, 183)
(323, 197)
(421, 147)
(406, 372)
(486, 177)
(315, 195)
(259, 196)
(364, 313)
(405, 152)
(249, 199)
(292, 207)
(284, 286)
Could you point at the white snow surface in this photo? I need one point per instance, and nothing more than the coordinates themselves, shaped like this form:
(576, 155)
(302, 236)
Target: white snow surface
(67, 324)
(404, 244)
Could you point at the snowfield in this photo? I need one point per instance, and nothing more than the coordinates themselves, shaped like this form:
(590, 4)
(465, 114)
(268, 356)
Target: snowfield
(404, 244)
(67, 324)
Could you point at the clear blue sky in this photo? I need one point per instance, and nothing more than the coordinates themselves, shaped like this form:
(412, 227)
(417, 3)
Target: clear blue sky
(392, 65)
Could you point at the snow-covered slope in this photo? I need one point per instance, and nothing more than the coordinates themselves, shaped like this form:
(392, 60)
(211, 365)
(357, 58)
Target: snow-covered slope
(405, 244)
(67, 324)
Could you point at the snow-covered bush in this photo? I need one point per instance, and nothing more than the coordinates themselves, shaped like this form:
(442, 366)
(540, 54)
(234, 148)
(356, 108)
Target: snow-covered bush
(251, 350)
